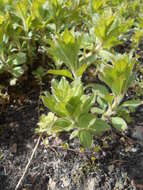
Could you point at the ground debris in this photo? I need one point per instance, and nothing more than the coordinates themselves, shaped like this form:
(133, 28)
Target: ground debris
(117, 164)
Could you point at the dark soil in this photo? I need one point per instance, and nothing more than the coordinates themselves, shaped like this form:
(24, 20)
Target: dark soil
(117, 166)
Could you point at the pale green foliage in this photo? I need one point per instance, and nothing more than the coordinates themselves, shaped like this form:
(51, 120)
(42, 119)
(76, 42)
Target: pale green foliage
(119, 123)
(66, 49)
(46, 123)
(75, 34)
(72, 108)
(119, 75)
(30, 26)
(77, 112)
(109, 27)
(62, 93)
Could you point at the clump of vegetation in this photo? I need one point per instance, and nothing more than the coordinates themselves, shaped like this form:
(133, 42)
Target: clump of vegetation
(75, 35)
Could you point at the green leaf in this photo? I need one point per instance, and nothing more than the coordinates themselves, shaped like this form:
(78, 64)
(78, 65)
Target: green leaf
(66, 49)
(46, 122)
(61, 72)
(56, 107)
(61, 90)
(81, 70)
(74, 134)
(85, 120)
(132, 103)
(87, 103)
(39, 72)
(119, 123)
(86, 138)
(105, 55)
(96, 5)
(72, 104)
(20, 58)
(62, 124)
(65, 98)
(118, 75)
(88, 60)
(96, 110)
(99, 127)
(100, 90)
(16, 59)
(17, 71)
(124, 113)
(108, 28)
(109, 98)
(68, 37)
(101, 102)
(77, 87)
(48, 102)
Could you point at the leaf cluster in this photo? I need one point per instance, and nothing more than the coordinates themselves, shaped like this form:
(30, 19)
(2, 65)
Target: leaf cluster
(75, 34)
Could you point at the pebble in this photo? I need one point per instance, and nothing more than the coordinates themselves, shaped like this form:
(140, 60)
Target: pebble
(52, 185)
(13, 148)
(65, 182)
(90, 184)
(138, 133)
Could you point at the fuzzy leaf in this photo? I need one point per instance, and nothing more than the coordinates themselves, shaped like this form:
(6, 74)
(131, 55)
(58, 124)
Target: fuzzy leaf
(81, 70)
(99, 127)
(86, 120)
(119, 123)
(62, 124)
(61, 72)
(132, 103)
(74, 134)
(66, 49)
(85, 138)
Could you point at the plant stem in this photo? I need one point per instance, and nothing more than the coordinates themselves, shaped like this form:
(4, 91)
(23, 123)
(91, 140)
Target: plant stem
(111, 108)
(34, 150)
(28, 164)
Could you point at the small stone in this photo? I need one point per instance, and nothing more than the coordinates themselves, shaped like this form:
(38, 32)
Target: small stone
(52, 184)
(13, 148)
(111, 168)
(57, 141)
(134, 149)
(90, 184)
(138, 133)
(65, 182)
(122, 139)
(104, 153)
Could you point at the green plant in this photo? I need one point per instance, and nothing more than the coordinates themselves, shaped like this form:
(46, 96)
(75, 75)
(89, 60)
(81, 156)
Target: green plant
(72, 109)
(66, 49)
(76, 34)
(91, 114)
(119, 77)
(109, 27)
